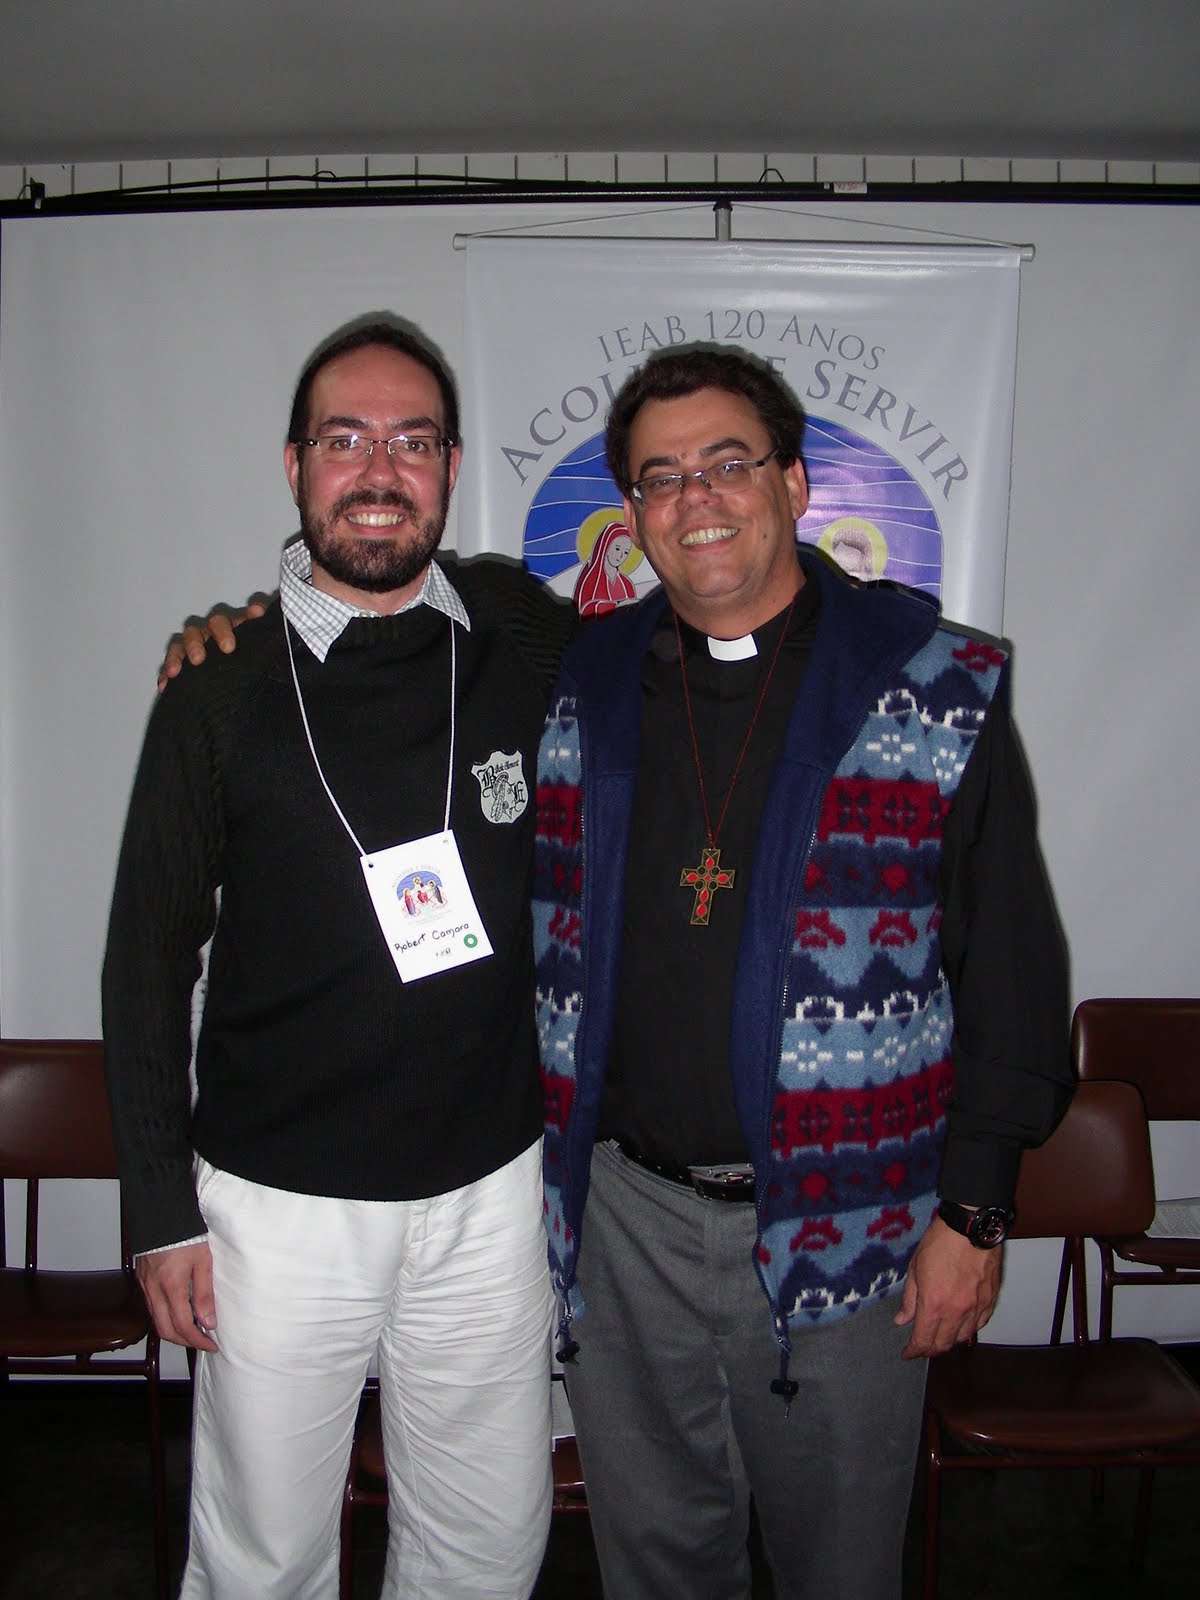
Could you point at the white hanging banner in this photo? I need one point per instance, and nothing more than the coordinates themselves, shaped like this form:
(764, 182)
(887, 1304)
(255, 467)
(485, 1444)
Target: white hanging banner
(903, 356)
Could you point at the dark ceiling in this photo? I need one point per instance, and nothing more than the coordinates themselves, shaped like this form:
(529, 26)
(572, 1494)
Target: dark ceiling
(167, 79)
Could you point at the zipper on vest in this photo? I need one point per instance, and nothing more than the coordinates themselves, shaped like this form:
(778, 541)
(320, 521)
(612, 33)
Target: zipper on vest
(784, 1386)
(566, 1347)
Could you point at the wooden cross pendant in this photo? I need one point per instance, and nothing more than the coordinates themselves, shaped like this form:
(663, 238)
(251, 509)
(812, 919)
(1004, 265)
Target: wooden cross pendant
(709, 875)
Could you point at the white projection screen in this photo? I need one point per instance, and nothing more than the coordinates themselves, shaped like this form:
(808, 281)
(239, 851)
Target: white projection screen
(146, 367)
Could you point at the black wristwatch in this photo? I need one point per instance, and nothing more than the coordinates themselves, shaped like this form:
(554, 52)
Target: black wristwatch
(985, 1228)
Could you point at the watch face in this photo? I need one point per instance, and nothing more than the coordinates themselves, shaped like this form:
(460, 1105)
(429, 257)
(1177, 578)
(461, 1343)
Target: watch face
(988, 1227)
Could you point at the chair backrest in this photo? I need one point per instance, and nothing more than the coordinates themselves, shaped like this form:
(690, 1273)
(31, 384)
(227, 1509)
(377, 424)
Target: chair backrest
(1153, 1043)
(1094, 1174)
(54, 1118)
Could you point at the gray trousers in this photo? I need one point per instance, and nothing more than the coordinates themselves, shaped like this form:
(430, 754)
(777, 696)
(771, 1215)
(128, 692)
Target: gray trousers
(678, 1428)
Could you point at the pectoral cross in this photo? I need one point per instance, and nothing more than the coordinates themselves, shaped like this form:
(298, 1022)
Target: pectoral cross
(709, 875)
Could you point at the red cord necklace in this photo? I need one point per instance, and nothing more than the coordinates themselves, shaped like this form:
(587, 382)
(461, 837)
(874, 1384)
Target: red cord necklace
(710, 875)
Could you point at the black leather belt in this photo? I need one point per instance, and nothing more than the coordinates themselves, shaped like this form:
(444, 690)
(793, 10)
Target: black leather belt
(730, 1181)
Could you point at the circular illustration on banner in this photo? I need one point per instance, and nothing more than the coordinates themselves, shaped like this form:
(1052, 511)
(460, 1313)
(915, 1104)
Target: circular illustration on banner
(865, 510)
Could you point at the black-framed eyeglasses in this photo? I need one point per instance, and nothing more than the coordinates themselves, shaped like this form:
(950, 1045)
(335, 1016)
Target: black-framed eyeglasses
(414, 449)
(725, 477)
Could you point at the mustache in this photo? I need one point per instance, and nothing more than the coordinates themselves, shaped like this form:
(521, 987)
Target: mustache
(377, 499)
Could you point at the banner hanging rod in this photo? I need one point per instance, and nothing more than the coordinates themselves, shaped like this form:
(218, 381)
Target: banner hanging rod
(461, 241)
(723, 234)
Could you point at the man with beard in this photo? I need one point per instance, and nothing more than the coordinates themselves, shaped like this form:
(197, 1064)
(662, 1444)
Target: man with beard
(356, 1179)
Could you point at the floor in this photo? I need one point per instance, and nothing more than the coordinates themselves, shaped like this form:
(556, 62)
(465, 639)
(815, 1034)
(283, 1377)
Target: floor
(75, 1516)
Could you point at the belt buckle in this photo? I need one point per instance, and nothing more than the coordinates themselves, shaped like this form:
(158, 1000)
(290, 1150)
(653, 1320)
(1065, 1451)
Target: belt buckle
(723, 1182)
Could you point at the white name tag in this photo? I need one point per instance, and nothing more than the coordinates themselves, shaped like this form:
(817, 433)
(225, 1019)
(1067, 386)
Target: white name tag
(425, 906)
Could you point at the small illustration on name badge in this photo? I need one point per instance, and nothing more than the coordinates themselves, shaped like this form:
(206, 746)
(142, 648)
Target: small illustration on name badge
(503, 792)
(421, 894)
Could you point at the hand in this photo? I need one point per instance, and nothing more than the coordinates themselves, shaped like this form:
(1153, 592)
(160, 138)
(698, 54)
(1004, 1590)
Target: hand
(949, 1293)
(178, 1287)
(192, 644)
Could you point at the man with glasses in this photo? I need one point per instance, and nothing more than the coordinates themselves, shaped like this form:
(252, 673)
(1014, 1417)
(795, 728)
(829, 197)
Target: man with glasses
(798, 974)
(359, 1175)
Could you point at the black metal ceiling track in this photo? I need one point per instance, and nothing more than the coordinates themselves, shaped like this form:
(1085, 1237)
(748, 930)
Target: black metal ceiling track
(319, 190)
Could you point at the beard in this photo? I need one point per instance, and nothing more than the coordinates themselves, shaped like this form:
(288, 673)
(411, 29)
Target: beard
(374, 566)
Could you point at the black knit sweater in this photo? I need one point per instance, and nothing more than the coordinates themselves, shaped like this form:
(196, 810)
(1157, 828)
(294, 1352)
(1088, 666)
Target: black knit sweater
(318, 1070)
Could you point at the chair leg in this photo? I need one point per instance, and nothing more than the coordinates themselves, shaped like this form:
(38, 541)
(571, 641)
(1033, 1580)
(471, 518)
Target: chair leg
(158, 1469)
(1079, 1305)
(1060, 1297)
(933, 1507)
(1107, 1282)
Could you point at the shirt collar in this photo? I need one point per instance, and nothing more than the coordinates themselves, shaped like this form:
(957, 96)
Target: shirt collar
(320, 618)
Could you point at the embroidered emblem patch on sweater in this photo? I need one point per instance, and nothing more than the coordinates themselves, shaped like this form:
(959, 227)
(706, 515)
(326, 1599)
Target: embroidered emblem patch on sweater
(503, 792)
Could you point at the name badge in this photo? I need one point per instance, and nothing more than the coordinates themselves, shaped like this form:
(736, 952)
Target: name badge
(425, 907)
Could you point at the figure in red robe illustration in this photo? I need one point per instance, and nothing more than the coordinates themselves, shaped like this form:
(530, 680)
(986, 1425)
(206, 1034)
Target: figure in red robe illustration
(602, 586)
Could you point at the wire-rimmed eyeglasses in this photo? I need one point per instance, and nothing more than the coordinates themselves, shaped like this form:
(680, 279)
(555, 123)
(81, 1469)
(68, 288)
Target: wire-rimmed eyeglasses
(414, 449)
(725, 477)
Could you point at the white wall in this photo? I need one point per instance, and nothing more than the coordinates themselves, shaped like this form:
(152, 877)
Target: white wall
(145, 369)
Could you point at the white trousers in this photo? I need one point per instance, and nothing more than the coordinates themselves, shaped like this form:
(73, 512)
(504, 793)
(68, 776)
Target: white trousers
(452, 1295)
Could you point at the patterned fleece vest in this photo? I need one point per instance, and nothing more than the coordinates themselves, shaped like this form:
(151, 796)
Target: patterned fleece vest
(864, 1075)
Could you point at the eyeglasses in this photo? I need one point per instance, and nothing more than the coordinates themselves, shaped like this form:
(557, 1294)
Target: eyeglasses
(725, 477)
(351, 449)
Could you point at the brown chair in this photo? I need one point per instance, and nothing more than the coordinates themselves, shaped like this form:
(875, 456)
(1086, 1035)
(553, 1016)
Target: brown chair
(54, 1123)
(1091, 1403)
(366, 1481)
(1154, 1044)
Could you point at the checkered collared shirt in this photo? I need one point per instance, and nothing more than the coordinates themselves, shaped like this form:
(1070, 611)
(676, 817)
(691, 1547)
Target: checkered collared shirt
(319, 618)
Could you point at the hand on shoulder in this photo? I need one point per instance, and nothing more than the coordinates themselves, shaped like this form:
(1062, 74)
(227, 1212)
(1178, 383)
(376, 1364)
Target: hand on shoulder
(191, 645)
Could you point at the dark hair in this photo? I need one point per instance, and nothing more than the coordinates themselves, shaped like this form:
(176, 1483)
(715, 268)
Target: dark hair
(390, 333)
(671, 374)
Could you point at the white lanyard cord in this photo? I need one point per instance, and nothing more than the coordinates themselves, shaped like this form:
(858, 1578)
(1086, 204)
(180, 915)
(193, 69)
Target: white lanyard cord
(453, 710)
(312, 749)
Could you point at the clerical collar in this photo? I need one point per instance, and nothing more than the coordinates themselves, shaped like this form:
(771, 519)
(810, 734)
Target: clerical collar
(803, 608)
(732, 649)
